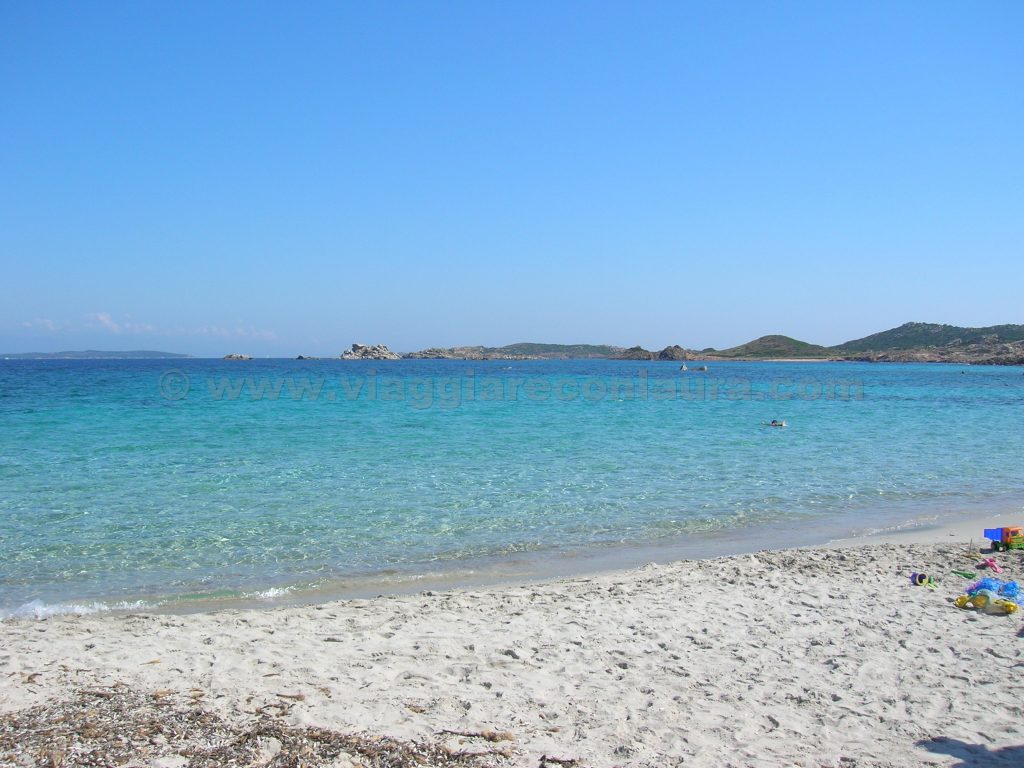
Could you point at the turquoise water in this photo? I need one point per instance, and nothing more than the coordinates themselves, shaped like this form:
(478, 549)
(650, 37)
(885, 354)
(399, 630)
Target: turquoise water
(153, 482)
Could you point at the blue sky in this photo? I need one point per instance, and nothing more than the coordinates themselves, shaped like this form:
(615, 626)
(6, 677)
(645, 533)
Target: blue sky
(289, 178)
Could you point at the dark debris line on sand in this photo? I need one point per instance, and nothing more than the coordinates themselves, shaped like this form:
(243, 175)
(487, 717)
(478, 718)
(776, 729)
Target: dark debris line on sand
(117, 726)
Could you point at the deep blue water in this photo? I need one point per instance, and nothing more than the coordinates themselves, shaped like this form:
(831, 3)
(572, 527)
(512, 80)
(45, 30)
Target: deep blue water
(162, 481)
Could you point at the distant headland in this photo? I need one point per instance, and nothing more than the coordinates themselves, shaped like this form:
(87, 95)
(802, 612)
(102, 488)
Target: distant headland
(910, 342)
(95, 354)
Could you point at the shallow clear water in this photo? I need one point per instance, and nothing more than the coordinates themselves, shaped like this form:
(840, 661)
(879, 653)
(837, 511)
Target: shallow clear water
(120, 485)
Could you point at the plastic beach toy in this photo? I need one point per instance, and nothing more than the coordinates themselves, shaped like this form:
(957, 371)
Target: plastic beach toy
(1006, 538)
(922, 580)
(990, 562)
(1007, 589)
(986, 601)
(1011, 591)
(991, 595)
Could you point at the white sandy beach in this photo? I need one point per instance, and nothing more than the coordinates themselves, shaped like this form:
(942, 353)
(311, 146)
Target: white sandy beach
(813, 657)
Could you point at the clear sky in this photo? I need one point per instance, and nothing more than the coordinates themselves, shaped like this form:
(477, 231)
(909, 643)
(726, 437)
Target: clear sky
(286, 178)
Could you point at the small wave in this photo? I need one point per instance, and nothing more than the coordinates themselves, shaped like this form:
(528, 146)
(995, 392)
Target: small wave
(37, 609)
(924, 521)
(269, 594)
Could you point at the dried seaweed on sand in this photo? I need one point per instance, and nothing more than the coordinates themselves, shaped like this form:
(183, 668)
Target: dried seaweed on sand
(121, 726)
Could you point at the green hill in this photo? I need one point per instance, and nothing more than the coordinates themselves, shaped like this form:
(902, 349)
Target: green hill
(917, 335)
(774, 347)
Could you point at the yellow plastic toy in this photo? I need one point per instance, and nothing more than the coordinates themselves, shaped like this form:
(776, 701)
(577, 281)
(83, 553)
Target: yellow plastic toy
(987, 602)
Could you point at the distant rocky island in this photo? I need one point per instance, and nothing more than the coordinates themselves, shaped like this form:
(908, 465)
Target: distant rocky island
(360, 352)
(369, 352)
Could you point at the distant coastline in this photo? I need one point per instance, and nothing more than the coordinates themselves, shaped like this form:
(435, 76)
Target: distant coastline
(908, 343)
(96, 354)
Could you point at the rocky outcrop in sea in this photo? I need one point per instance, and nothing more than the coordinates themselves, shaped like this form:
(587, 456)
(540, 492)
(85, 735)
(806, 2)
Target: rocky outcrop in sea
(369, 352)
(675, 352)
(636, 353)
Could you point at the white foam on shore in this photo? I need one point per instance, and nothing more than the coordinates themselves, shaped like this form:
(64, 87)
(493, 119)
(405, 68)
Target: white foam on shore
(961, 525)
(37, 609)
(269, 594)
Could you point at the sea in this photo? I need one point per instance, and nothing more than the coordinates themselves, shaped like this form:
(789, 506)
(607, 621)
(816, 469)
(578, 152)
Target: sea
(194, 484)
